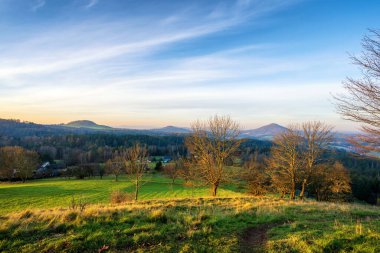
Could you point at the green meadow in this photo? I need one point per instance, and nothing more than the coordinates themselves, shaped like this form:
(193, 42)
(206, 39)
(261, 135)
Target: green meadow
(59, 192)
(37, 216)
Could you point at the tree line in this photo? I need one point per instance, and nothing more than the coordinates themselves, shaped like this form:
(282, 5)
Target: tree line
(17, 162)
(297, 164)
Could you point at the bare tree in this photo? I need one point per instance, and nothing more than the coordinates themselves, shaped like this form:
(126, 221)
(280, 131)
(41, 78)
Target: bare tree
(316, 137)
(258, 180)
(172, 170)
(187, 172)
(17, 161)
(297, 159)
(211, 143)
(136, 161)
(184, 169)
(286, 161)
(115, 165)
(7, 156)
(361, 103)
(26, 163)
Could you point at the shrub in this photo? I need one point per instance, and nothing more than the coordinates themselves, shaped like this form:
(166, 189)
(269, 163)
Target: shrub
(188, 184)
(158, 166)
(121, 197)
(77, 204)
(71, 216)
(257, 188)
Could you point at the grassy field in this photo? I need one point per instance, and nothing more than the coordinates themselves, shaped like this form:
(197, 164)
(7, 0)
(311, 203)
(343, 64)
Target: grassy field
(244, 224)
(37, 217)
(58, 192)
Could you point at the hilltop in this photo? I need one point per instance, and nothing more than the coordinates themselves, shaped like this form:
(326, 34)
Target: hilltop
(266, 132)
(87, 124)
(172, 129)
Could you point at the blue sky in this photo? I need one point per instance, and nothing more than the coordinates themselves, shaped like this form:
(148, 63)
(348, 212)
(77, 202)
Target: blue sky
(154, 63)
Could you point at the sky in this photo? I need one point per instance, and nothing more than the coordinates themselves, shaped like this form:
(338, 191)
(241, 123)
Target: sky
(149, 63)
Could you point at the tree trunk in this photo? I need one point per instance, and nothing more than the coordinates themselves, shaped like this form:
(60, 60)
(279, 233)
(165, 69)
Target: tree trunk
(116, 178)
(318, 195)
(293, 190)
(137, 189)
(214, 189)
(302, 194)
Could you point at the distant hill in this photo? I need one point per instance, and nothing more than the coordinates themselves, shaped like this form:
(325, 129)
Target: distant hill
(87, 124)
(171, 130)
(265, 132)
(17, 128)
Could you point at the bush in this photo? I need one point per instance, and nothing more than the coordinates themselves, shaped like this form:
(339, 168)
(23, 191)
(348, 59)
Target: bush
(118, 197)
(77, 204)
(188, 184)
(158, 166)
(257, 188)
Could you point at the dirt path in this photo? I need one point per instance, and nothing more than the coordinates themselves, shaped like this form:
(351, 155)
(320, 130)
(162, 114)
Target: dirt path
(254, 239)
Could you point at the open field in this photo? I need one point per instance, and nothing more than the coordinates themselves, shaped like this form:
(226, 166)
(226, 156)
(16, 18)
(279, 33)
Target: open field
(58, 192)
(196, 225)
(36, 217)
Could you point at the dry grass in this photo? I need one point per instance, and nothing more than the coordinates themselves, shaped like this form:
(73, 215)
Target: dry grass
(118, 197)
(193, 225)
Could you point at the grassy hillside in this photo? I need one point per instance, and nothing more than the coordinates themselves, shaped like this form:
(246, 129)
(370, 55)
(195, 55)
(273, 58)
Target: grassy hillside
(58, 192)
(196, 225)
(37, 217)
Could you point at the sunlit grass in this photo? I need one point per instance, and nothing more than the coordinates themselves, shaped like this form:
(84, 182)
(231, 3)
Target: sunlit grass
(58, 192)
(37, 216)
(194, 225)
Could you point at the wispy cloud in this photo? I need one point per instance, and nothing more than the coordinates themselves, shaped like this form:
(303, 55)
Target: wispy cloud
(38, 4)
(91, 3)
(60, 57)
(139, 70)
